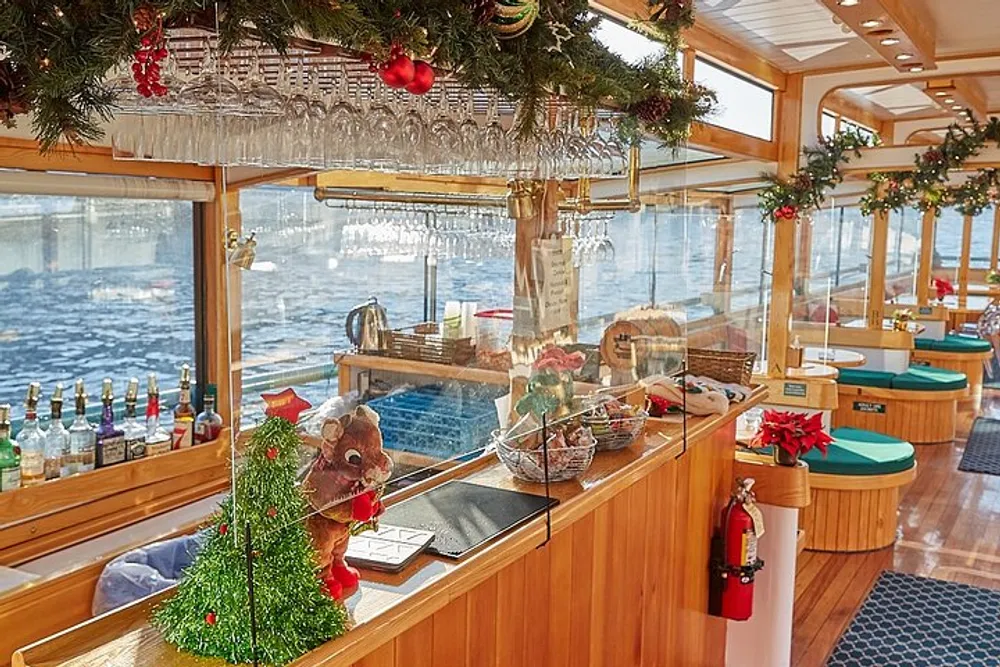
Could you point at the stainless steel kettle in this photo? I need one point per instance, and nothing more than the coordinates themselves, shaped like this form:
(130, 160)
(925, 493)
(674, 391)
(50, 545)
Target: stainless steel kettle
(365, 326)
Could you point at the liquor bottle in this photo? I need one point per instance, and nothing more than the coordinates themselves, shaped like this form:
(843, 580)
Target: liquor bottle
(57, 450)
(184, 413)
(110, 446)
(31, 440)
(10, 454)
(208, 425)
(81, 436)
(135, 433)
(158, 441)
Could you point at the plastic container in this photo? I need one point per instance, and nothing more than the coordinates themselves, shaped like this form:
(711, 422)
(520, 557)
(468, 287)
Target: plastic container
(493, 332)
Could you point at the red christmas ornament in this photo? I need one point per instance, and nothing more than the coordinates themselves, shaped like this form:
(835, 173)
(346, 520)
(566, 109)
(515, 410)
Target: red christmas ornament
(786, 213)
(272, 512)
(210, 618)
(272, 453)
(423, 78)
(398, 72)
(285, 404)
(223, 529)
(363, 507)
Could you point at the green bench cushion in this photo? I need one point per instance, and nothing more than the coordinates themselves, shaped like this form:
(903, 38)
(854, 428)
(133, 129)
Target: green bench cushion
(928, 378)
(858, 452)
(866, 378)
(952, 343)
(924, 343)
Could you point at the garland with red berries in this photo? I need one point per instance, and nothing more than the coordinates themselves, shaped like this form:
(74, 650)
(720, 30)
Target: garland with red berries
(527, 50)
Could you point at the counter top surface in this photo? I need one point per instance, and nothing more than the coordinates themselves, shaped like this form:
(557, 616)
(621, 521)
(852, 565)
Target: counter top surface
(388, 604)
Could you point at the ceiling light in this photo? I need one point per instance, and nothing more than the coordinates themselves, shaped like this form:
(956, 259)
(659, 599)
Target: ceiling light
(917, 69)
(949, 100)
(940, 93)
(956, 107)
(904, 56)
(889, 41)
(848, 3)
(871, 23)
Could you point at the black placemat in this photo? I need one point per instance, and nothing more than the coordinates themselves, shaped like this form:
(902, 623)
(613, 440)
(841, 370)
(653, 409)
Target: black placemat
(462, 515)
(914, 621)
(982, 450)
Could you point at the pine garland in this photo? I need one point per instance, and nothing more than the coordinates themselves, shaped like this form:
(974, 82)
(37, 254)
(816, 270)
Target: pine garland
(209, 614)
(62, 55)
(806, 190)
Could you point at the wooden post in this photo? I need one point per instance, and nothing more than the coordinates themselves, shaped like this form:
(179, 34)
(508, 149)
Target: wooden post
(222, 316)
(963, 267)
(783, 271)
(803, 261)
(722, 279)
(876, 270)
(995, 247)
(926, 267)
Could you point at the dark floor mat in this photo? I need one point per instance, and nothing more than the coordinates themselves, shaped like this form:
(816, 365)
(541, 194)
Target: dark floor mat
(982, 450)
(911, 621)
(462, 515)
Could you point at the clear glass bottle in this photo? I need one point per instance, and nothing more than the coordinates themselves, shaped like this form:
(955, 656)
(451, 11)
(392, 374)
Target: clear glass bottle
(57, 450)
(109, 448)
(158, 441)
(208, 424)
(10, 454)
(31, 440)
(135, 433)
(81, 435)
(184, 413)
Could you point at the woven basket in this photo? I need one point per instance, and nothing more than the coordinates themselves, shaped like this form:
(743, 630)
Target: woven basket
(721, 365)
(430, 348)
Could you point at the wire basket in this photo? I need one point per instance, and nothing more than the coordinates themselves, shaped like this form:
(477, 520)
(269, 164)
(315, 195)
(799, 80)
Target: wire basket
(430, 348)
(721, 365)
(614, 433)
(564, 462)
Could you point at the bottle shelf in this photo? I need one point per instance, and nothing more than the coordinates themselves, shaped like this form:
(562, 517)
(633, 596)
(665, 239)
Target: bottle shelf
(40, 519)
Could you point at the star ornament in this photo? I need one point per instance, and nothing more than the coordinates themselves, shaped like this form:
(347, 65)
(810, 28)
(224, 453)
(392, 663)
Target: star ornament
(285, 404)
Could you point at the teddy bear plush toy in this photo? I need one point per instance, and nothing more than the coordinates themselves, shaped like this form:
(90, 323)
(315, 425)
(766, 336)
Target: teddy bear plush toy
(342, 486)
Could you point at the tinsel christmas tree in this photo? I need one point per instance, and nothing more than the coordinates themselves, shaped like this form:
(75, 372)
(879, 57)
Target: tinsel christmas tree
(210, 613)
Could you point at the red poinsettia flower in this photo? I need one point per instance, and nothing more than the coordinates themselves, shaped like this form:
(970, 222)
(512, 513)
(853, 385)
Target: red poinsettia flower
(943, 287)
(795, 432)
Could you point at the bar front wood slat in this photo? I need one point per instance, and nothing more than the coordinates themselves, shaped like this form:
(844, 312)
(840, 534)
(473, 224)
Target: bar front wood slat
(597, 513)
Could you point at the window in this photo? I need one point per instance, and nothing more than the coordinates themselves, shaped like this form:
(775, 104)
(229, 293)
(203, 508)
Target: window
(829, 124)
(630, 45)
(744, 106)
(93, 288)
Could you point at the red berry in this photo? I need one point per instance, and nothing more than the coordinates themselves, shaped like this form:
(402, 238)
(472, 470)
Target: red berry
(136, 67)
(153, 68)
(160, 90)
(161, 53)
(397, 14)
(223, 529)
(144, 90)
(142, 56)
(272, 512)
(373, 68)
(210, 618)
(146, 41)
(272, 453)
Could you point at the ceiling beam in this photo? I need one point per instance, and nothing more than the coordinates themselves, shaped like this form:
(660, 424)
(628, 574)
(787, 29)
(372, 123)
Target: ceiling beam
(901, 31)
(694, 177)
(901, 158)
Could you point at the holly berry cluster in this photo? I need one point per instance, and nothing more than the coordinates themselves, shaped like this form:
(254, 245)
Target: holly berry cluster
(400, 71)
(152, 51)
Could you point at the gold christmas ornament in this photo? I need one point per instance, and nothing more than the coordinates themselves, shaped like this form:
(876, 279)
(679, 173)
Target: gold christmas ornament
(513, 18)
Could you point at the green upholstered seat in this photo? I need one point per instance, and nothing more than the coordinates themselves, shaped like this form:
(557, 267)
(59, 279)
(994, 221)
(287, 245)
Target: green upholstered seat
(924, 343)
(858, 452)
(929, 378)
(866, 378)
(952, 343)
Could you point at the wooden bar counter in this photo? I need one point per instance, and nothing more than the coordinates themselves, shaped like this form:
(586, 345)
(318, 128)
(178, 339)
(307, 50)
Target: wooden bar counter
(623, 581)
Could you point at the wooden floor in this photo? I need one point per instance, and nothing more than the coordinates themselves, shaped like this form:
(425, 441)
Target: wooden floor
(949, 528)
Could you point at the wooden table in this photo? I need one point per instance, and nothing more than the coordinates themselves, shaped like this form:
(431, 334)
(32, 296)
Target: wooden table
(834, 356)
(814, 371)
(624, 579)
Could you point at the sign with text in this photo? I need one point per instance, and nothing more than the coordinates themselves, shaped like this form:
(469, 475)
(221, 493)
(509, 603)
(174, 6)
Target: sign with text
(868, 406)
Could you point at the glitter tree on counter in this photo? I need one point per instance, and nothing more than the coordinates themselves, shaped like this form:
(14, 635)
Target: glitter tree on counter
(210, 614)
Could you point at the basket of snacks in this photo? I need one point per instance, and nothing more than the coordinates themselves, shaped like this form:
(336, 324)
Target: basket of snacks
(570, 452)
(615, 424)
(721, 365)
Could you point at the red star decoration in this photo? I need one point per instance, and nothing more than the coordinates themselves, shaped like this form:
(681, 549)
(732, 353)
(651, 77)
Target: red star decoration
(272, 453)
(210, 618)
(285, 404)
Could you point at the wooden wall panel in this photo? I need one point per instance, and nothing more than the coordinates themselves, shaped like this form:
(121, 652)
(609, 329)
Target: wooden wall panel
(625, 586)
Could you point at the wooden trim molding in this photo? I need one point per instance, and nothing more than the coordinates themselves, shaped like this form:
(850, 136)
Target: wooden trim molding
(24, 154)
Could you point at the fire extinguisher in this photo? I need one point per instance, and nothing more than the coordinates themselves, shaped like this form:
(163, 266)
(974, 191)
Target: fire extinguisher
(735, 561)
